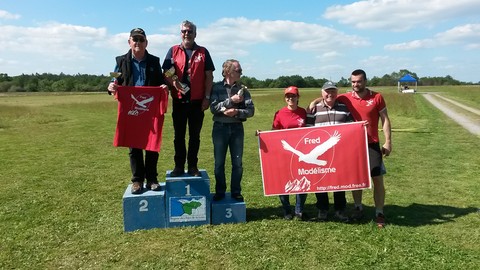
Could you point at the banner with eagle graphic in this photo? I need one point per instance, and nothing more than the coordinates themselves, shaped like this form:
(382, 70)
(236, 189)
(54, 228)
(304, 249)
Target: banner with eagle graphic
(314, 159)
(141, 112)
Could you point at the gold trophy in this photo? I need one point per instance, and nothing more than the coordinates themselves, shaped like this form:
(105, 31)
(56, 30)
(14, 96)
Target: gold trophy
(171, 74)
(115, 75)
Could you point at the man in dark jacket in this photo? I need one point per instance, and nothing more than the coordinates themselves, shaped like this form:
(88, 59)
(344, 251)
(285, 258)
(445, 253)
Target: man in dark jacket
(139, 68)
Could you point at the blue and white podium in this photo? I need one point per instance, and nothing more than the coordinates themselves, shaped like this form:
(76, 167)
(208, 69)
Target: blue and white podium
(144, 211)
(228, 210)
(182, 201)
(187, 200)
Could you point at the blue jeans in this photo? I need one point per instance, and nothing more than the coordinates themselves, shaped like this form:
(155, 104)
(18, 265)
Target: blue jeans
(300, 202)
(228, 135)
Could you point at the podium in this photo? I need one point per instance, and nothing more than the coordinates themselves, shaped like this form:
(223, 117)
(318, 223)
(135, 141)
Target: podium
(228, 210)
(144, 211)
(182, 201)
(187, 200)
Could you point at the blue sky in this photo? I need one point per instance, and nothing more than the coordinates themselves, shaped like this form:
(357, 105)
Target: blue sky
(323, 39)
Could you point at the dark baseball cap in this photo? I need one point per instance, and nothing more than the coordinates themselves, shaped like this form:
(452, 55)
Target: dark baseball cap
(137, 32)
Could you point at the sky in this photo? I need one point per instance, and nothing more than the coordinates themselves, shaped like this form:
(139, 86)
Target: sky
(322, 39)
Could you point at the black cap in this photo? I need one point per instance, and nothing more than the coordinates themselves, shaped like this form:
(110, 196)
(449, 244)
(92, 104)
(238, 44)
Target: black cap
(137, 32)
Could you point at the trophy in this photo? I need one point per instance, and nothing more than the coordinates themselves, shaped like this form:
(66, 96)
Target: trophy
(171, 74)
(115, 75)
(242, 90)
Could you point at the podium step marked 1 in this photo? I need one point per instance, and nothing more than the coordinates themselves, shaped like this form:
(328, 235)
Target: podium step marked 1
(182, 201)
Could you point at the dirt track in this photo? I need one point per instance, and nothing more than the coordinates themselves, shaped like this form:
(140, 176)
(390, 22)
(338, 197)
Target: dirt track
(468, 123)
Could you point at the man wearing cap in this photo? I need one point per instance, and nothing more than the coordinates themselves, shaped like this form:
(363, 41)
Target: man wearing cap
(192, 84)
(139, 68)
(323, 112)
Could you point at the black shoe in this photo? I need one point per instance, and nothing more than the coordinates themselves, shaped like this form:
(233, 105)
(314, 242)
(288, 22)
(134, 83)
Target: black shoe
(217, 197)
(137, 188)
(154, 186)
(194, 171)
(177, 172)
(237, 197)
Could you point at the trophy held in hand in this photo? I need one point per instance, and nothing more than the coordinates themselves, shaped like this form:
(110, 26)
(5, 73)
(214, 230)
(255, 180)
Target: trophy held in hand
(170, 73)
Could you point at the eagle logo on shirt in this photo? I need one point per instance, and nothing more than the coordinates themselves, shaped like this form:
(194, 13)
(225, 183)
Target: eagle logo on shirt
(140, 104)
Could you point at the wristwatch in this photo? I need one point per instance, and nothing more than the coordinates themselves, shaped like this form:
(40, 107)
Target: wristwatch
(207, 97)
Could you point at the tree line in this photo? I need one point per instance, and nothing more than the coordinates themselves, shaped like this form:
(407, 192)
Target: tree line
(47, 82)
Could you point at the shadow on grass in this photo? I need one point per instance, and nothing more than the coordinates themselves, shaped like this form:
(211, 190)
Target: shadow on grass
(423, 214)
(413, 215)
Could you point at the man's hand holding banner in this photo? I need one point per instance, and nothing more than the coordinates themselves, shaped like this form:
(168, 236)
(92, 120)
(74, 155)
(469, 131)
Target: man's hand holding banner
(314, 159)
(141, 112)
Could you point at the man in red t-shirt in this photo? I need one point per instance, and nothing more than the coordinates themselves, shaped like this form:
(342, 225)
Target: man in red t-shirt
(367, 105)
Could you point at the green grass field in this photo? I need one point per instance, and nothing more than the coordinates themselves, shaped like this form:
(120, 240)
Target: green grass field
(62, 183)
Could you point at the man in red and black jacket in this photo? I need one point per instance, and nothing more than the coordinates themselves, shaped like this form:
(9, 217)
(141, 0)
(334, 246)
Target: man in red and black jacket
(192, 82)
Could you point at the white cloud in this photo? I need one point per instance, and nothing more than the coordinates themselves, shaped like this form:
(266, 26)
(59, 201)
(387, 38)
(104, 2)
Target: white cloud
(299, 36)
(400, 15)
(5, 15)
(467, 35)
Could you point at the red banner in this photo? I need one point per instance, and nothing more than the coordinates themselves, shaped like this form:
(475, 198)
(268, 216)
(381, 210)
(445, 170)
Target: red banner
(314, 159)
(141, 112)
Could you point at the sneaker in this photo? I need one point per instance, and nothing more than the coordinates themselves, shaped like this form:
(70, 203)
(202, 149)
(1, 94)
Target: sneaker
(217, 197)
(288, 216)
(137, 187)
(380, 220)
(154, 186)
(237, 197)
(194, 171)
(357, 213)
(322, 215)
(340, 215)
(177, 172)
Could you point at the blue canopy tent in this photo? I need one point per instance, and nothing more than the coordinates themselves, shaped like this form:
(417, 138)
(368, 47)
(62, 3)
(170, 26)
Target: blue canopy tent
(407, 79)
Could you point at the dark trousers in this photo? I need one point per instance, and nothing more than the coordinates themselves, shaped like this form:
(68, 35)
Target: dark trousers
(339, 201)
(140, 169)
(182, 114)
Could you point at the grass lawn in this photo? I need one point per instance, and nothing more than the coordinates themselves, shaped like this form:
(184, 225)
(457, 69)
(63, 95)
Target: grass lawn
(62, 183)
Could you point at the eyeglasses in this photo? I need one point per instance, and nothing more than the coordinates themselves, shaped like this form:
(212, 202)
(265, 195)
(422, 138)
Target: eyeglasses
(136, 39)
(186, 31)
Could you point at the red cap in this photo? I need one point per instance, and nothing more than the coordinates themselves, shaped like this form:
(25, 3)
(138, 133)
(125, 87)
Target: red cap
(292, 90)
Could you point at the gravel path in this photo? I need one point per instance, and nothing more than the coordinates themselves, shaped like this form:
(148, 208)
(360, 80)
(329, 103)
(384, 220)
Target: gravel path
(467, 123)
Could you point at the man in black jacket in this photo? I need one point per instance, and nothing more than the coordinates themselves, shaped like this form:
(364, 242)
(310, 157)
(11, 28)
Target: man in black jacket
(139, 68)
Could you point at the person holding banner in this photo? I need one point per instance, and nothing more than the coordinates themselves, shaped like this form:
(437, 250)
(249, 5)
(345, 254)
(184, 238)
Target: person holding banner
(139, 68)
(367, 105)
(192, 82)
(231, 105)
(324, 112)
(291, 116)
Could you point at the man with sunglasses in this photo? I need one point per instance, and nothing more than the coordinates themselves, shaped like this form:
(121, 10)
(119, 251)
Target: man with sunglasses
(139, 68)
(191, 87)
(231, 106)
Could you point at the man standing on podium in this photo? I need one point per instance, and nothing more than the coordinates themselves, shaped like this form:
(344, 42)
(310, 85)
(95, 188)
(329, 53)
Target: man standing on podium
(192, 82)
(139, 68)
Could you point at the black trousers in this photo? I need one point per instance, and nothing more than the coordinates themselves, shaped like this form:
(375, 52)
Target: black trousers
(140, 169)
(339, 201)
(187, 113)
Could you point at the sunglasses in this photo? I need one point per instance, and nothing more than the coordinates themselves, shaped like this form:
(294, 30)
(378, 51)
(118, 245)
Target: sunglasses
(136, 39)
(186, 31)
